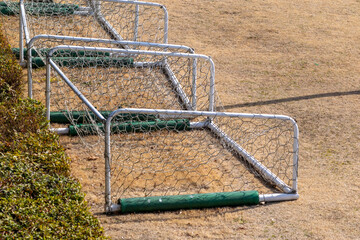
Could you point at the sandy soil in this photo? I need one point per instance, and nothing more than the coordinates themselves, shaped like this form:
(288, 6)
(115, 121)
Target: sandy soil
(298, 58)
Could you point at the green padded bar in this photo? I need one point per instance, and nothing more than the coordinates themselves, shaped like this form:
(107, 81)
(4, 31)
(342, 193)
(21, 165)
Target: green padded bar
(37, 62)
(39, 8)
(61, 53)
(6, 11)
(62, 117)
(174, 125)
(92, 61)
(192, 201)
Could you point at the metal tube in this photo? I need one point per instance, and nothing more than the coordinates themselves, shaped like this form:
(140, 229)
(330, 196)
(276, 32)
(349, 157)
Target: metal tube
(177, 86)
(198, 125)
(136, 22)
(276, 197)
(107, 155)
(109, 41)
(166, 24)
(108, 28)
(24, 22)
(83, 13)
(212, 86)
(21, 42)
(194, 85)
(104, 23)
(135, 2)
(190, 114)
(77, 92)
(47, 92)
(60, 131)
(295, 156)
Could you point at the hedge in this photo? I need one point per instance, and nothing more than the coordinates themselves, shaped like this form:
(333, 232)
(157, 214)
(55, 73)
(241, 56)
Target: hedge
(10, 71)
(38, 197)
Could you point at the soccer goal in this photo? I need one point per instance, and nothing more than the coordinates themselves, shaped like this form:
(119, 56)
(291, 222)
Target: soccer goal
(162, 159)
(96, 19)
(80, 61)
(115, 19)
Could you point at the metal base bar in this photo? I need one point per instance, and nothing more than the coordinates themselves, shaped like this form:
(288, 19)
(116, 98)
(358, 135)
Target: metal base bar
(277, 197)
(177, 87)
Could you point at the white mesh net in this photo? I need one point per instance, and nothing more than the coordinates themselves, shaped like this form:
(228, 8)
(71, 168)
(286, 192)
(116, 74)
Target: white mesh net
(117, 20)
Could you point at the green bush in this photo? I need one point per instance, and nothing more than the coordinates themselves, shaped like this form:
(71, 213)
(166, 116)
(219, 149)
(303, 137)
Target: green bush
(20, 116)
(37, 205)
(10, 71)
(38, 198)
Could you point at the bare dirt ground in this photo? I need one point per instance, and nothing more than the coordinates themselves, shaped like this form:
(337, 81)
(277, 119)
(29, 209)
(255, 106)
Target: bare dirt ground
(297, 58)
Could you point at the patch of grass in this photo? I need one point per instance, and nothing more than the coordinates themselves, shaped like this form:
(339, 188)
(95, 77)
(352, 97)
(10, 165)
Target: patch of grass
(240, 220)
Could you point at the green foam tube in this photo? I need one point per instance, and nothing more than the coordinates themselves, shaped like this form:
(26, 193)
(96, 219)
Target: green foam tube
(37, 62)
(79, 116)
(61, 53)
(6, 11)
(39, 8)
(192, 201)
(92, 62)
(173, 125)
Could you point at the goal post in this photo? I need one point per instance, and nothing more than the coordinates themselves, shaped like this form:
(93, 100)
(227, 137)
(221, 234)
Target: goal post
(269, 152)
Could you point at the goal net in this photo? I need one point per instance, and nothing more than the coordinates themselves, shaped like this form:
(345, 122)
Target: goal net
(101, 19)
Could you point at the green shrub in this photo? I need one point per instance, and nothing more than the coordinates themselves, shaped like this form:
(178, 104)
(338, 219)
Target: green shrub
(37, 205)
(38, 198)
(20, 116)
(10, 71)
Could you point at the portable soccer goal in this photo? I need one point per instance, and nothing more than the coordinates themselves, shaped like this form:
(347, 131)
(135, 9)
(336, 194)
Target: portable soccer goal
(43, 22)
(127, 79)
(165, 146)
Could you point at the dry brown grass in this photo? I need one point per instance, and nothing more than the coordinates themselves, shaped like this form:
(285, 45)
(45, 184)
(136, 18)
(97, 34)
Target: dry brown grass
(299, 58)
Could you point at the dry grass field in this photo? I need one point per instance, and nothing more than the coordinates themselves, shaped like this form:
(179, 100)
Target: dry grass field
(297, 58)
